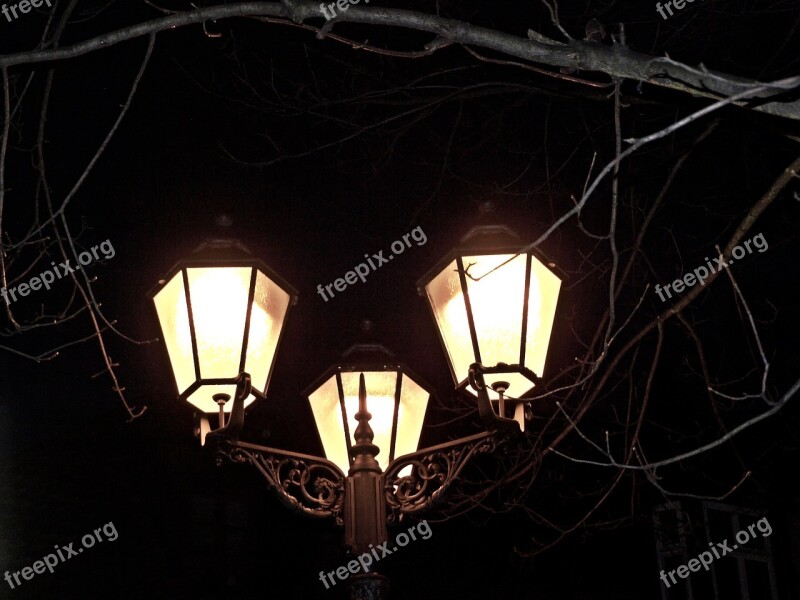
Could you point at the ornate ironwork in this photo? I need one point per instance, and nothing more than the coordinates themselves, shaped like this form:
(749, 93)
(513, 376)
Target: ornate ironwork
(306, 484)
(433, 471)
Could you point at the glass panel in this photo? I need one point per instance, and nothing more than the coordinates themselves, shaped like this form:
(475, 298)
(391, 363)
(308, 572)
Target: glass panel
(174, 318)
(328, 416)
(410, 417)
(270, 304)
(203, 398)
(446, 298)
(219, 305)
(544, 289)
(380, 404)
(497, 302)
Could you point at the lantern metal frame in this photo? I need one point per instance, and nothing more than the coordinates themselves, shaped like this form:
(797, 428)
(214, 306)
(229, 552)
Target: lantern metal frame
(229, 253)
(490, 240)
(363, 365)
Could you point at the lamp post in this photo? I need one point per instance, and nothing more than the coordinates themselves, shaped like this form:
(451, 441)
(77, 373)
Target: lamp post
(222, 314)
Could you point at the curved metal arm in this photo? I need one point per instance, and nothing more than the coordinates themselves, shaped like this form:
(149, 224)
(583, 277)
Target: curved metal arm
(433, 471)
(306, 484)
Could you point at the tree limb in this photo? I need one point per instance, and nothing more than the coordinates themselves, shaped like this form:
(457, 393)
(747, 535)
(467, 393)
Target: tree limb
(617, 61)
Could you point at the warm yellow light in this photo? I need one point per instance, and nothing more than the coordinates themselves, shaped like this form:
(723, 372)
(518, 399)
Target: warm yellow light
(270, 304)
(219, 309)
(381, 386)
(171, 308)
(380, 404)
(447, 301)
(495, 284)
(219, 303)
(542, 301)
(327, 411)
(411, 417)
(497, 299)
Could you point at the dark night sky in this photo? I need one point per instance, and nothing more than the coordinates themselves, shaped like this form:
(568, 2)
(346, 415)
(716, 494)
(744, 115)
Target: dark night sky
(69, 462)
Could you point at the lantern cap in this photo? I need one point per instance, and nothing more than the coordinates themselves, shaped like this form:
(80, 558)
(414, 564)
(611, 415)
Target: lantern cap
(222, 251)
(367, 350)
(221, 248)
(489, 235)
(367, 355)
(489, 230)
(221, 245)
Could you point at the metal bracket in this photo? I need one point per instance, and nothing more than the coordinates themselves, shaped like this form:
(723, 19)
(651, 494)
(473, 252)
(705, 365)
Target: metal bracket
(307, 484)
(433, 471)
(491, 420)
(233, 427)
(311, 485)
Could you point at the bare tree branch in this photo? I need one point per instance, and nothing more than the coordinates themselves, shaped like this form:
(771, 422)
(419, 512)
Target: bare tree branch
(617, 61)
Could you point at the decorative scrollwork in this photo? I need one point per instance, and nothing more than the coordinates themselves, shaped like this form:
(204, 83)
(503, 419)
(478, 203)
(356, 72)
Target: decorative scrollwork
(432, 472)
(307, 484)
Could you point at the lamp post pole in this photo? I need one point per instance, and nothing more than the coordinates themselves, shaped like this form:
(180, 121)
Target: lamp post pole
(365, 509)
(317, 487)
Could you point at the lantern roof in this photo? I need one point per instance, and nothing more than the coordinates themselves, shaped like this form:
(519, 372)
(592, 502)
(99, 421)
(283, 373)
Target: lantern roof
(488, 236)
(222, 251)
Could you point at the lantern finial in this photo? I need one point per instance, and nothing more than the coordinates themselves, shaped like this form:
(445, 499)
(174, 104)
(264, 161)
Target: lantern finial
(364, 452)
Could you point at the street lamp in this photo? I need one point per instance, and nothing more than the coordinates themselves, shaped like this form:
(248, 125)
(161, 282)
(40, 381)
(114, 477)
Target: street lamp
(494, 302)
(222, 313)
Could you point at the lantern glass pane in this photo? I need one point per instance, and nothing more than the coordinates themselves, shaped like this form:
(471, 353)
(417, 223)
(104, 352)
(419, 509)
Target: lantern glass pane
(410, 417)
(447, 300)
(203, 398)
(328, 416)
(544, 289)
(270, 304)
(174, 318)
(219, 307)
(381, 387)
(497, 301)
